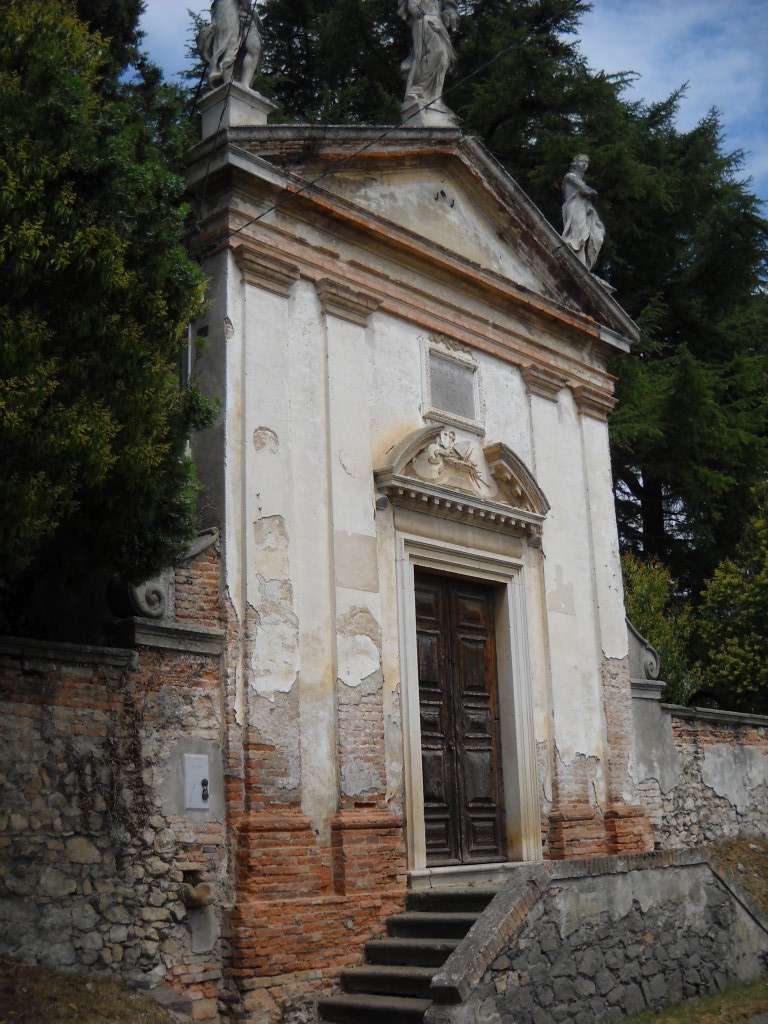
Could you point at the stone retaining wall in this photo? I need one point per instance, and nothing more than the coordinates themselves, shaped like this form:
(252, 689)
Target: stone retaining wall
(235, 910)
(578, 942)
(702, 774)
(102, 865)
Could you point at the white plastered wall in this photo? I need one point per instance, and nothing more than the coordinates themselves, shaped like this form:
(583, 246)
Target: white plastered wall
(583, 597)
(315, 401)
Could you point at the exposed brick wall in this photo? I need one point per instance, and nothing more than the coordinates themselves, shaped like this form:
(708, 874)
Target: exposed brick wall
(303, 910)
(293, 948)
(575, 824)
(196, 590)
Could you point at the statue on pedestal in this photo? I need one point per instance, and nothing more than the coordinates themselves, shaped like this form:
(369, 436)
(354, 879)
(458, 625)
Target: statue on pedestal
(432, 54)
(234, 32)
(582, 228)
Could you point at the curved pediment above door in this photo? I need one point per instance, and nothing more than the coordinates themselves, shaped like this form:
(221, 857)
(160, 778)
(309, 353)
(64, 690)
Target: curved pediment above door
(451, 473)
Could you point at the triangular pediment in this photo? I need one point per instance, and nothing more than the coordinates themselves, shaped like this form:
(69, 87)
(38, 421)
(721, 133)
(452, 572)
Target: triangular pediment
(451, 473)
(446, 190)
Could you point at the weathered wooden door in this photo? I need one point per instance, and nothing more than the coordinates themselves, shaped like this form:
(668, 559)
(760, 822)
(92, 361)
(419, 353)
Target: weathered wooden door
(460, 748)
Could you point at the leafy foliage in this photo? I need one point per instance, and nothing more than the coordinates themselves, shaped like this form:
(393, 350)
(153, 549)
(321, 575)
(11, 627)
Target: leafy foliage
(733, 620)
(689, 434)
(95, 290)
(666, 623)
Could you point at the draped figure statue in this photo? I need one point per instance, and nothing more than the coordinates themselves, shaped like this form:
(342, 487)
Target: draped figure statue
(582, 228)
(432, 54)
(233, 30)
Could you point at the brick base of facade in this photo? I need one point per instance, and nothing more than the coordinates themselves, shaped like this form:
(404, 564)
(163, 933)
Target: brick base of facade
(577, 831)
(628, 829)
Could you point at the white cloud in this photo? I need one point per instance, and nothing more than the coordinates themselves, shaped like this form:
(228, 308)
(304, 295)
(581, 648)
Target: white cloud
(717, 46)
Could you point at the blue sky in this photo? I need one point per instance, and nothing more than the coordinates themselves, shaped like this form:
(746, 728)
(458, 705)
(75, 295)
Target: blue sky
(719, 47)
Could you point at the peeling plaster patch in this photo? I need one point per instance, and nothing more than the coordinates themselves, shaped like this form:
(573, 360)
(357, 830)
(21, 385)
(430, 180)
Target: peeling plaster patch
(393, 795)
(734, 773)
(588, 899)
(560, 598)
(270, 538)
(274, 650)
(579, 780)
(358, 779)
(544, 773)
(360, 620)
(393, 744)
(239, 695)
(265, 439)
(655, 755)
(358, 647)
(358, 659)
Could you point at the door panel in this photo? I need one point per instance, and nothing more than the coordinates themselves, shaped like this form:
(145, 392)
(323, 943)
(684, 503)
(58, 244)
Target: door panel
(461, 762)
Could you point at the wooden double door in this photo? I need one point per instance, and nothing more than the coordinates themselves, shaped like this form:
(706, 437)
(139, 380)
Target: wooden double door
(460, 742)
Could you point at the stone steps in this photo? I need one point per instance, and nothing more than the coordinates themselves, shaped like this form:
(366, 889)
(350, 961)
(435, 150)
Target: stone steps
(389, 979)
(357, 1009)
(393, 986)
(421, 952)
(423, 925)
(451, 899)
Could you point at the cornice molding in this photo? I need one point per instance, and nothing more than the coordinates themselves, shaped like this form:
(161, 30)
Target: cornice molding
(406, 300)
(592, 401)
(188, 639)
(441, 501)
(543, 382)
(265, 270)
(346, 303)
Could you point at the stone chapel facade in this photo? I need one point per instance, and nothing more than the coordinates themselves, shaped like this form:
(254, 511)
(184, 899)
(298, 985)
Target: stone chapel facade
(426, 669)
(393, 669)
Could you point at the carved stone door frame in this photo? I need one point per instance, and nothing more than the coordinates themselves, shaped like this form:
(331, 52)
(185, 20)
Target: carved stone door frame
(518, 746)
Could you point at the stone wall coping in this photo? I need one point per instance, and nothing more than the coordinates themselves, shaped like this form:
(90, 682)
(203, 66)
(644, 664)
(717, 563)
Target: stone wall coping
(141, 632)
(506, 913)
(34, 654)
(716, 715)
(465, 967)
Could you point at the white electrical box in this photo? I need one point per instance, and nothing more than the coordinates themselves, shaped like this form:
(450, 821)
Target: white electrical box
(197, 777)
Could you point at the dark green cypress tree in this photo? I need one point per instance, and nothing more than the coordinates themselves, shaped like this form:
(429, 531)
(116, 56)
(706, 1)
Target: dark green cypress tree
(96, 290)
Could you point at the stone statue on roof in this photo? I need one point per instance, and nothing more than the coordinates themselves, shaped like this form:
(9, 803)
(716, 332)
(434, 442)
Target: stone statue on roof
(582, 228)
(231, 44)
(432, 55)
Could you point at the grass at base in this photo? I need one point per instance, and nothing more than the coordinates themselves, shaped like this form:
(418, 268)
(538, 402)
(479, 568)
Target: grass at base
(730, 1007)
(747, 861)
(31, 994)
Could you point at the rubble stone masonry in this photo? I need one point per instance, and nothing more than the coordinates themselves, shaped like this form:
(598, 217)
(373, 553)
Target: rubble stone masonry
(245, 907)
(240, 908)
